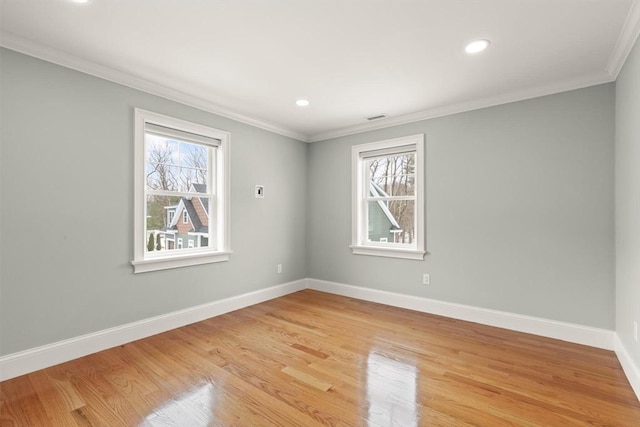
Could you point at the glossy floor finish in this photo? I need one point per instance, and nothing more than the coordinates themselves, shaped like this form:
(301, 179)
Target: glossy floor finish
(311, 359)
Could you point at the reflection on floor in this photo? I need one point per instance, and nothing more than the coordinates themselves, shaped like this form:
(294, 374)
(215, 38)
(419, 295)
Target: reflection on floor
(313, 359)
(200, 403)
(391, 391)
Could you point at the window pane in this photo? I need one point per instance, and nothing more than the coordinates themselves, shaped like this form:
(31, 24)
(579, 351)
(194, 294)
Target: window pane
(161, 150)
(162, 176)
(176, 165)
(193, 180)
(165, 222)
(391, 221)
(194, 162)
(392, 175)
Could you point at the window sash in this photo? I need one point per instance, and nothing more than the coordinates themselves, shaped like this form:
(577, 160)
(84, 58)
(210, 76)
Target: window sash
(364, 160)
(182, 136)
(387, 152)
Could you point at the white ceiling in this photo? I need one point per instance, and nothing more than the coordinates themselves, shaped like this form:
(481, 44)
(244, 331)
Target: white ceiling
(251, 59)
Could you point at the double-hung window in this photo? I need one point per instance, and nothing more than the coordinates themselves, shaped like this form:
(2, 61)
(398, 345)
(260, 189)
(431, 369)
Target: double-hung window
(181, 193)
(388, 198)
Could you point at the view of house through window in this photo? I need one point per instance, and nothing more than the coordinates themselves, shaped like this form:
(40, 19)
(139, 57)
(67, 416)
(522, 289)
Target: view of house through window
(178, 199)
(181, 208)
(391, 198)
(388, 198)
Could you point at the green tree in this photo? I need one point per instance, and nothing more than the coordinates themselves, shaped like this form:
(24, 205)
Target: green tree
(150, 243)
(158, 245)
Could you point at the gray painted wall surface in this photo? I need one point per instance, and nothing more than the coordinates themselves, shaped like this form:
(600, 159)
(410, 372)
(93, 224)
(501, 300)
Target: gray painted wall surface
(67, 208)
(519, 209)
(627, 110)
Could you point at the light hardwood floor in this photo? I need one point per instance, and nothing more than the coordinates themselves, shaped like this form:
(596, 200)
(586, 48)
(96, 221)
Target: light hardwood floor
(310, 359)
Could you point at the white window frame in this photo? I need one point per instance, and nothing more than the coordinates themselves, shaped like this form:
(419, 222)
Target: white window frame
(185, 217)
(359, 184)
(219, 207)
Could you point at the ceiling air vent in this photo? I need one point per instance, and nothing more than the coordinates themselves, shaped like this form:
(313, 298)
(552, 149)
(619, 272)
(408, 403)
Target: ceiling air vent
(378, 117)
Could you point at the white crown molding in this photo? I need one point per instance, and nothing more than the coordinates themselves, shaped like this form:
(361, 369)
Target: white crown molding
(23, 362)
(579, 334)
(64, 59)
(631, 370)
(628, 35)
(626, 40)
(477, 104)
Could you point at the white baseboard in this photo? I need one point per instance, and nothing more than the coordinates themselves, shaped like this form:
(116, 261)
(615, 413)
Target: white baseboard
(594, 337)
(631, 370)
(23, 362)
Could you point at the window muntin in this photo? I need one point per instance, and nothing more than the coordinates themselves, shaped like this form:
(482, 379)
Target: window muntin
(182, 194)
(388, 207)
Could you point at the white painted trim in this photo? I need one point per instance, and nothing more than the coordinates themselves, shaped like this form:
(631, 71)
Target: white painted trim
(626, 40)
(180, 260)
(23, 362)
(359, 198)
(388, 252)
(447, 110)
(595, 337)
(27, 361)
(220, 185)
(631, 370)
(19, 44)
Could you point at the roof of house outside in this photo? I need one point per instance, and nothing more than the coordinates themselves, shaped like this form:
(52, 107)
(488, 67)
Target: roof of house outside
(187, 203)
(376, 191)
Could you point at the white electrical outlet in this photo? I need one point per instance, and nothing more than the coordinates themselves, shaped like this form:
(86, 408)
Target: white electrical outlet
(279, 268)
(426, 279)
(635, 331)
(259, 192)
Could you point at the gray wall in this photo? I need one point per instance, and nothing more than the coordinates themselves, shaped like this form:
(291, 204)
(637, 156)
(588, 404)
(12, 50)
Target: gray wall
(67, 208)
(519, 209)
(628, 202)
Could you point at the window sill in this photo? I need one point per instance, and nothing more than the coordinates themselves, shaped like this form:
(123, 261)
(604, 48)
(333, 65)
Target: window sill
(389, 252)
(155, 264)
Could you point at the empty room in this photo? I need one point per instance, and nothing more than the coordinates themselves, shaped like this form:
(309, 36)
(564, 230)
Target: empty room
(319, 213)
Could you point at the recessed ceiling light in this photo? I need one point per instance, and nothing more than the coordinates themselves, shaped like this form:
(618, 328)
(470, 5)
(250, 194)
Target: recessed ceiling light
(477, 46)
(302, 102)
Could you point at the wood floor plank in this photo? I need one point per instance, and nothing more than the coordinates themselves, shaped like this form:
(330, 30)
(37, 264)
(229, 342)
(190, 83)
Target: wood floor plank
(313, 359)
(307, 379)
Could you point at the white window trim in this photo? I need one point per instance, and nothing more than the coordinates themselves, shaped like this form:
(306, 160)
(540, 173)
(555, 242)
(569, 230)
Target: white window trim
(185, 217)
(160, 261)
(359, 243)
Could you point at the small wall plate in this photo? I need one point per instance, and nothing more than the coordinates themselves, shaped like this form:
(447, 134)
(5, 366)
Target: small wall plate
(259, 192)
